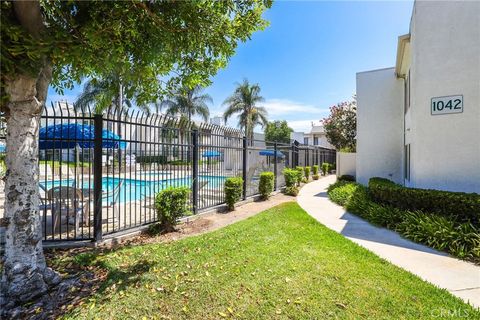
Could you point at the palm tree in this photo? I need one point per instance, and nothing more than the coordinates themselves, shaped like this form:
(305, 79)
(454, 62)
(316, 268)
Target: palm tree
(104, 93)
(188, 102)
(244, 101)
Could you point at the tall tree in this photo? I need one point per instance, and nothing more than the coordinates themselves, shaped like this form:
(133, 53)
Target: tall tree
(244, 102)
(60, 42)
(278, 131)
(188, 103)
(104, 93)
(341, 125)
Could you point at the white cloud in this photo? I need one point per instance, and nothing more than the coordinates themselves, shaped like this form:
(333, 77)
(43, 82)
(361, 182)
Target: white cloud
(282, 107)
(302, 125)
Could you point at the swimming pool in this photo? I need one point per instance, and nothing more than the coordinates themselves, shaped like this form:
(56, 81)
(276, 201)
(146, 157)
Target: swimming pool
(135, 189)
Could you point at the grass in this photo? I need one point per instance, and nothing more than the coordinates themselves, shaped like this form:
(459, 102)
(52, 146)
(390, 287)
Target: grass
(279, 264)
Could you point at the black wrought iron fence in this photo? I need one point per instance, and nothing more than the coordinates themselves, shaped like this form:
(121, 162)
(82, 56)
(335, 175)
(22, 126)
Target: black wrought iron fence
(99, 174)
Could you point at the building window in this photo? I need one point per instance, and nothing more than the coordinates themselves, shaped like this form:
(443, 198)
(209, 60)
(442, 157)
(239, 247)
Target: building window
(407, 92)
(305, 141)
(315, 141)
(407, 162)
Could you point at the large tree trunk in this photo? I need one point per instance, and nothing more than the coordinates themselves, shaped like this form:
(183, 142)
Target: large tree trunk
(25, 274)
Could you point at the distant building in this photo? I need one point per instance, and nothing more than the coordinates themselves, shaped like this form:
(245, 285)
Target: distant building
(419, 122)
(217, 121)
(316, 137)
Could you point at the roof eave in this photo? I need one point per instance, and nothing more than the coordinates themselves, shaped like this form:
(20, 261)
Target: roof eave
(402, 43)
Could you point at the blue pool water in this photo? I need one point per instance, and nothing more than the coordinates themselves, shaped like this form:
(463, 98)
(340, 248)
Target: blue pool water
(134, 189)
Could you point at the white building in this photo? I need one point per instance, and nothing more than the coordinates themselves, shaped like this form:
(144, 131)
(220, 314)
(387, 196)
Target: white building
(419, 122)
(315, 137)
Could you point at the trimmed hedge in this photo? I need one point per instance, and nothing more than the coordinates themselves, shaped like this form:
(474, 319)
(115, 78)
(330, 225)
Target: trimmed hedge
(266, 184)
(315, 169)
(346, 177)
(306, 171)
(325, 168)
(439, 232)
(171, 204)
(463, 207)
(291, 181)
(233, 191)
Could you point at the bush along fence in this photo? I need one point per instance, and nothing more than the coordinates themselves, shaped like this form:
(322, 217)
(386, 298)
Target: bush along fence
(418, 217)
(99, 174)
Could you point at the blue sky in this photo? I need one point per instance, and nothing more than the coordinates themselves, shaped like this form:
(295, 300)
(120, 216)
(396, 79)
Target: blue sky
(306, 60)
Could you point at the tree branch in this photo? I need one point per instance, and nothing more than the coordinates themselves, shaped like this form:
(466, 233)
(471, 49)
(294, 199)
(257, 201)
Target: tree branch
(29, 15)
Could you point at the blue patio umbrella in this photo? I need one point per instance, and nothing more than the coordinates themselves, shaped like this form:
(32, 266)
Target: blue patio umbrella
(70, 135)
(211, 154)
(272, 153)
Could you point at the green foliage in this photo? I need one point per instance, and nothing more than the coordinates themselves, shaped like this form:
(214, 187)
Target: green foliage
(184, 42)
(188, 102)
(300, 174)
(244, 102)
(291, 191)
(291, 177)
(341, 125)
(463, 207)
(233, 191)
(346, 177)
(306, 171)
(315, 169)
(315, 177)
(326, 167)
(266, 184)
(171, 204)
(461, 239)
(3, 166)
(279, 256)
(278, 131)
(160, 159)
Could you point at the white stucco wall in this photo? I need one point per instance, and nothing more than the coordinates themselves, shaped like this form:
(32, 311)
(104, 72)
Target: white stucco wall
(379, 126)
(346, 164)
(445, 60)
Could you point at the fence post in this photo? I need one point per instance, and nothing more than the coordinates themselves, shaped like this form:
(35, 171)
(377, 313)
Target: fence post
(293, 155)
(97, 177)
(275, 166)
(195, 171)
(244, 167)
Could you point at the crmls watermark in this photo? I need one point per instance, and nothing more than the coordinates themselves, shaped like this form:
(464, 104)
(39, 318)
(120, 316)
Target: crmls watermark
(450, 313)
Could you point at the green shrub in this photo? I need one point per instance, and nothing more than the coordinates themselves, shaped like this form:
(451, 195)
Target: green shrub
(346, 177)
(459, 239)
(306, 171)
(291, 191)
(315, 169)
(300, 175)
(316, 177)
(291, 181)
(463, 207)
(266, 184)
(325, 168)
(151, 159)
(233, 191)
(171, 204)
(291, 177)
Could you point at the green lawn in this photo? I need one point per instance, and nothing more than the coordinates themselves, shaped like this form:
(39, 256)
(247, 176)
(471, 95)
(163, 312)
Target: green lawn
(279, 264)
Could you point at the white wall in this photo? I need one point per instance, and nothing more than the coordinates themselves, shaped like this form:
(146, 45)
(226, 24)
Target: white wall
(445, 48)
(379, 126)
(346, 163)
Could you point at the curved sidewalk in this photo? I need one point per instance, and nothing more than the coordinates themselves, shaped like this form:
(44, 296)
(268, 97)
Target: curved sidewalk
(460, 278)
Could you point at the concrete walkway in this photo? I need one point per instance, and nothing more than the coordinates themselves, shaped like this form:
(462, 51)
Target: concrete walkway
(460, 278)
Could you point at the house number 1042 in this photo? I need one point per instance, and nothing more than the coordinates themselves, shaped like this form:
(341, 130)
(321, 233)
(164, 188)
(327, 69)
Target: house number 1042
(447, 105)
